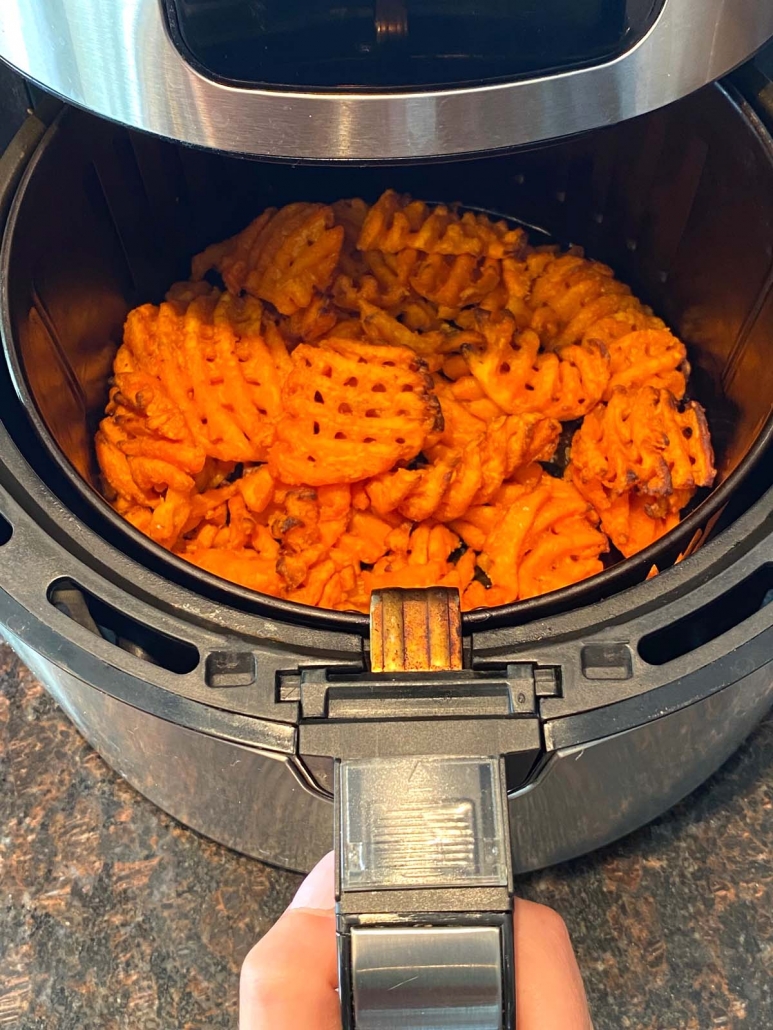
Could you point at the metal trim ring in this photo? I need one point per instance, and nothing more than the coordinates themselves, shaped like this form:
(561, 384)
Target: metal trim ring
(116, 58)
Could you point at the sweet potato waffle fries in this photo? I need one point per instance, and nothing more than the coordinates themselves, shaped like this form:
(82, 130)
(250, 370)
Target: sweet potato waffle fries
(368, 400)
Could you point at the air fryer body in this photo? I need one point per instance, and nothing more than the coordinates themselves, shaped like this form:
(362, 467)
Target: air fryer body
(634, 693)
(261, 803)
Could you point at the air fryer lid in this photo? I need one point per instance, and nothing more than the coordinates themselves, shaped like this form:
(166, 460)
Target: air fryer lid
(680, 204)
(376, 81)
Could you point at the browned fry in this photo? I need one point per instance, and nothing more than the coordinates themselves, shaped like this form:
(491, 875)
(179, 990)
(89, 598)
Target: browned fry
(313, 322)
(640, 440)
(563, 290)
(282, 257)
(382, 327)
(396, 223)
(350, 214)
(451, 283)
(630, 520)
(516, 376)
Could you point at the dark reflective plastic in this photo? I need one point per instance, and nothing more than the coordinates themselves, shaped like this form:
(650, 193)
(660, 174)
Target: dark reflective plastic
(331, 44)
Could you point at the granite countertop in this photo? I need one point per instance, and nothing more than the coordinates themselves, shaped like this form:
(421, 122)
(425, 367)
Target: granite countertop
(114, 917)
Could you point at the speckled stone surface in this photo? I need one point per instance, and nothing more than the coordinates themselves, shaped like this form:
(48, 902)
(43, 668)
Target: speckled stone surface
(114, 917)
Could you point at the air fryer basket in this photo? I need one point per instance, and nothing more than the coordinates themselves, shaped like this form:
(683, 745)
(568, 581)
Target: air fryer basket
(679, 203)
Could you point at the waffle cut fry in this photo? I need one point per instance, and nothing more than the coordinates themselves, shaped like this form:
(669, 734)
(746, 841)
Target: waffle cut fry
(351, 410)
(388, 395)
(570, 293)
(538, 534)
(511, 370)
(647, 357)
(639, 460)
(641, 440)
(191, 392)
(396, 223)
(282, 257)
(632, 521)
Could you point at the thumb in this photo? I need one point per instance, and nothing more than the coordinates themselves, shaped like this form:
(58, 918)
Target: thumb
(289, 979)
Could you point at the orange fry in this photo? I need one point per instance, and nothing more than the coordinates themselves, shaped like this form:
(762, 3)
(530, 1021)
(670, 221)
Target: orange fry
(516, 376)
(396, 223)
(641, 440)
(626, 519)
(351, 411)
(648, 357)
(282, 257)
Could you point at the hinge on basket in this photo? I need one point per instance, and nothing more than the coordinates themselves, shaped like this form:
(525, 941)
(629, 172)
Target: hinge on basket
(424, 702)
(415, 630)
(417, 671)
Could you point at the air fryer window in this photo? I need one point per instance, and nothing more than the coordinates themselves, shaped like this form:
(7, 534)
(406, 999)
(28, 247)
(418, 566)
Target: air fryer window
(401, 43)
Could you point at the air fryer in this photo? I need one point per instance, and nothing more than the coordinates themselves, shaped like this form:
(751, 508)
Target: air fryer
(558, 724)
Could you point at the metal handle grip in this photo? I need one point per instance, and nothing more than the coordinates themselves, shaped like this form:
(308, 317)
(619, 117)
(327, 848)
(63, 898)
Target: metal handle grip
(423, 869)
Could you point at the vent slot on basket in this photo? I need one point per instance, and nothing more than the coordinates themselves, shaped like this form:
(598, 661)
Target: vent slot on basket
(122, 630)
(709, 622)
(6, 530)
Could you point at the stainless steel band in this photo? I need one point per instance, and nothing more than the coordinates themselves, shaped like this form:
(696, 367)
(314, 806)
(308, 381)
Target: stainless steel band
(427, 977)
(424, 894)
(115, 57)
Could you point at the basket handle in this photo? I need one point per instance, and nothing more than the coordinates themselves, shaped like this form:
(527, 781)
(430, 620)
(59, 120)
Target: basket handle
(423, 868)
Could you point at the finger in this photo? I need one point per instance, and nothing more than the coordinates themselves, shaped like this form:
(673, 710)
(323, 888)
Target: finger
(548, 986)
(289, 979)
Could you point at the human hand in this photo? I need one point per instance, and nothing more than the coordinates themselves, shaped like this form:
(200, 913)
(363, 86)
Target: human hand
(289, 979)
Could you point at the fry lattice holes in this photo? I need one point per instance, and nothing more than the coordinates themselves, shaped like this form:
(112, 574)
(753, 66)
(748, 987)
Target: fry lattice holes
(351, 411)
